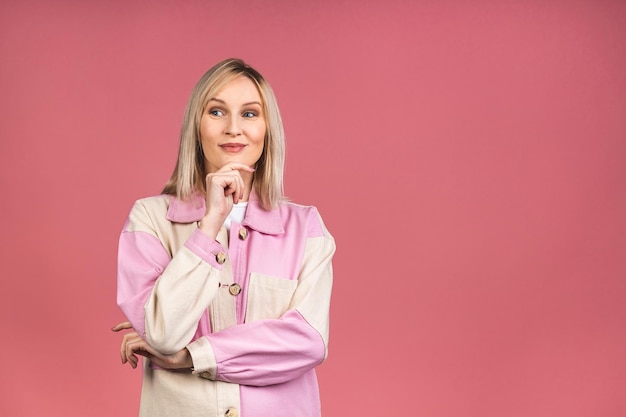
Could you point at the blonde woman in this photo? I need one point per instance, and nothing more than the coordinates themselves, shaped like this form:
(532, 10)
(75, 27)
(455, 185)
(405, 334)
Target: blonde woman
(225, 285)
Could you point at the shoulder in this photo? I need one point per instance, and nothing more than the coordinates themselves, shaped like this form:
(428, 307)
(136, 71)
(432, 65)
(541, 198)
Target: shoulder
(306, 215)
(290, 205)
(170, 208)
(148, 211)
(154, 205)
(156, 202)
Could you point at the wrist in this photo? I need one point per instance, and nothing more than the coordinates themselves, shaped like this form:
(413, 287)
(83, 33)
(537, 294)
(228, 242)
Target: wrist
(209, 228)
(179, 360)
(187, 362)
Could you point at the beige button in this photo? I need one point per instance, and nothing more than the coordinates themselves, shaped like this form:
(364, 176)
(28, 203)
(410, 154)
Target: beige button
(206, 374)
(234, 289)
(243, 233)
(220, 257)
(231, 412)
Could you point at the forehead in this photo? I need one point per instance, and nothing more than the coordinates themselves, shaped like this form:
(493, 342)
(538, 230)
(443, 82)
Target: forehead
(240, 89)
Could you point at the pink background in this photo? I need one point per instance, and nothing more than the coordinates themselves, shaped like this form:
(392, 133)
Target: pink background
(469, 157)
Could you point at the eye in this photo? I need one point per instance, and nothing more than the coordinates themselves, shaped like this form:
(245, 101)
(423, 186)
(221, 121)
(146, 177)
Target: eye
(249, 114)
(216, 112)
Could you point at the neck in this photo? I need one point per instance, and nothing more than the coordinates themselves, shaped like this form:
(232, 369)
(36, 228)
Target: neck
(248, 179)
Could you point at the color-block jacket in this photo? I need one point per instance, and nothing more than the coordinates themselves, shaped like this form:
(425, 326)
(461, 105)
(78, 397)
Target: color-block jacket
(252, 308)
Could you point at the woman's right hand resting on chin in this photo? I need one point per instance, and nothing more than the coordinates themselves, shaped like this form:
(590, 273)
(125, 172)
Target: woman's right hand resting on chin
(225, 187)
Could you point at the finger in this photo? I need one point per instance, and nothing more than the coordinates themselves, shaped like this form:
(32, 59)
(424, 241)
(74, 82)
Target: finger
(155, 357)
(230, 190)
(122, 326)
(236, 166)
(123, 349)
(123, 353)
(147, 352)
(236, 189)
(127, 341)
(137, 346)
(132, 348)
(242, 187)
(238, 186)
(224, 180)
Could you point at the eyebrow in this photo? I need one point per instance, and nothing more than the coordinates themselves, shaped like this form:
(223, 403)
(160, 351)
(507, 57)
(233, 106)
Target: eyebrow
(244, 104)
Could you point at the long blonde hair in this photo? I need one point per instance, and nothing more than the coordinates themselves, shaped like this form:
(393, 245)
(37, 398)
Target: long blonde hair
(189, 174)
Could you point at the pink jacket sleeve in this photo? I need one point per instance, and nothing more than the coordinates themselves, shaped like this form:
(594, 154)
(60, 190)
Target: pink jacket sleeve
(141, 259)
(272, 351)
(164, 296)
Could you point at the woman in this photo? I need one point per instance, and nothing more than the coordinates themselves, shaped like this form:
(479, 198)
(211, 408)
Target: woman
(225, 285)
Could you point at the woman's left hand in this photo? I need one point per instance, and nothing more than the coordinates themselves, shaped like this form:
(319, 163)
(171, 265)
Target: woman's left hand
(133, 345)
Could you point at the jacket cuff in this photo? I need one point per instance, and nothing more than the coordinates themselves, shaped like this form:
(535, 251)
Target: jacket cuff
(203, 358)
(209, 250)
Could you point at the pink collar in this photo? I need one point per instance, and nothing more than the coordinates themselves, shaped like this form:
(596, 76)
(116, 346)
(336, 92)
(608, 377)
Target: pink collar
(267, 222)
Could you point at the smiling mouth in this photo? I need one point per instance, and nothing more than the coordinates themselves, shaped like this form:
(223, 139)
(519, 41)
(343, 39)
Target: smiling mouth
(233, 147)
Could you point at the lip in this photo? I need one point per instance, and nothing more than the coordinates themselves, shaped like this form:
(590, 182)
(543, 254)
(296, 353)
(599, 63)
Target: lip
(233, 147)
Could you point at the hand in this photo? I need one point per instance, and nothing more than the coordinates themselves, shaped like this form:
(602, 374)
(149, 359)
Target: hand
(133, 345)
(225, 187)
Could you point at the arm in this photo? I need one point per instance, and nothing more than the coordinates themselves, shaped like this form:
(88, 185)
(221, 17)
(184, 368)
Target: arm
(133, 345)
(146, 274)
(273, 351)
(164, 299)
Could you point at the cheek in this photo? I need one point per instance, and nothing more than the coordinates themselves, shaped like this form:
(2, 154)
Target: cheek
(260, 135)
(203, 130)
(208, 132)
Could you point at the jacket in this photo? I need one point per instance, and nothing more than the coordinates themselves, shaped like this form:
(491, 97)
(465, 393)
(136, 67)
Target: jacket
(251, 307)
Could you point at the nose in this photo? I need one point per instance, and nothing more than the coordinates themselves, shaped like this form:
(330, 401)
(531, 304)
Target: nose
(233, 127)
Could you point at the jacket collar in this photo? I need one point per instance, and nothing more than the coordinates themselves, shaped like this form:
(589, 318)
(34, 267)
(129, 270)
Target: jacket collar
(267, 222)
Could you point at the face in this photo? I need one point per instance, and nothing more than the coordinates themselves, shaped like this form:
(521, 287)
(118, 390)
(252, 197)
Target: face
(232, 128)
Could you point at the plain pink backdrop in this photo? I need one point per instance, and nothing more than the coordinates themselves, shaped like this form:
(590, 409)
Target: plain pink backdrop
(468, 156)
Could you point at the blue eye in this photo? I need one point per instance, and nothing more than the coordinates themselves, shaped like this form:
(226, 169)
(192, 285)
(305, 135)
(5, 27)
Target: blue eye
(249, 114)
(216, 112)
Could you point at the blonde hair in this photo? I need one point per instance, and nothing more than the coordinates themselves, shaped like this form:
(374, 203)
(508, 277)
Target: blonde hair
(189, 174)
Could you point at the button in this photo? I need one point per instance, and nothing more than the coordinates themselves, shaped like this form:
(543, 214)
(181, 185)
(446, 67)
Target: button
(234, 289)
(205, 374)
(231, 412)
(220, 257)
(243, 233)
